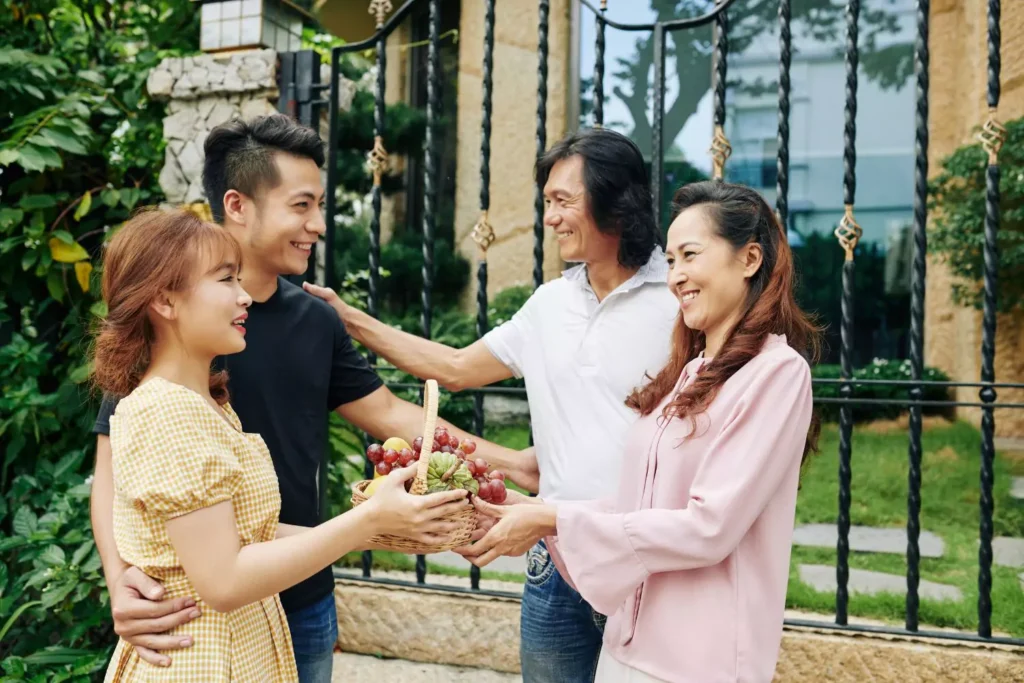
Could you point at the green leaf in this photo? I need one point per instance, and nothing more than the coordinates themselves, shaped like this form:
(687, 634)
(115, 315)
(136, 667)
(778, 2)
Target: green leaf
(80, 374)
(55, 285)
(8, 156)
(99, 309)
(69, 463)
(56, 595)
(28, 259)
(64, 236)
(13, 666)
(53, 556)
(25, 522)
(130, 197)
(64, 140)
(92, 76)
(3, 577)
(110, 197)
(31, 159)
(83, 208)
(31, 202)
(79, 556)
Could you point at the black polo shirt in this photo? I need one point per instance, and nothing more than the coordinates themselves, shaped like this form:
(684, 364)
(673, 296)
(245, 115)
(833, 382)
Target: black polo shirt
(298, 365)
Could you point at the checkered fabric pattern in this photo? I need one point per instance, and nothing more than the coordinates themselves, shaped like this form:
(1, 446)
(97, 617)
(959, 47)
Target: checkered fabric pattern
(174, 453)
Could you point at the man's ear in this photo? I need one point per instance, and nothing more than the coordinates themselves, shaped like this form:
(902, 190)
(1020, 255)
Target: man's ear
(235, 206)
(163, 306)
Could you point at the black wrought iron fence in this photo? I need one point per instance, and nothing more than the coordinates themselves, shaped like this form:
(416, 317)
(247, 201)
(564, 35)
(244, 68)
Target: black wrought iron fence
(301, 95)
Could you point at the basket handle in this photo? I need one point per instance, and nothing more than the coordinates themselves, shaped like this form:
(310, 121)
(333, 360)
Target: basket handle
(430, 401)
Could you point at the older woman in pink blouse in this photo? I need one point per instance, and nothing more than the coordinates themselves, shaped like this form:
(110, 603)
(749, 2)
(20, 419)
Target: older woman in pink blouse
(691, 559)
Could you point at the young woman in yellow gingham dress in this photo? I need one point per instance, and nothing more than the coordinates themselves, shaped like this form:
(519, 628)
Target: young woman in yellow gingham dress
(196, 499)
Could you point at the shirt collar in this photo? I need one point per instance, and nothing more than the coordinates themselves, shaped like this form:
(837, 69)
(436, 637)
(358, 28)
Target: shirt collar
(655, 270)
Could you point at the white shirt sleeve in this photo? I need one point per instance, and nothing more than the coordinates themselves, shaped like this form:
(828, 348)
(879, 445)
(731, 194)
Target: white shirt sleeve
(508, 342)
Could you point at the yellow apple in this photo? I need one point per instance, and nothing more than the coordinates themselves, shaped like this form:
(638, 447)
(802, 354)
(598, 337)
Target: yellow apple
(396, 444)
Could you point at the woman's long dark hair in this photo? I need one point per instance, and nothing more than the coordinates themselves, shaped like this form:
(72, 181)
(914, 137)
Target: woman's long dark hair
(741, 216)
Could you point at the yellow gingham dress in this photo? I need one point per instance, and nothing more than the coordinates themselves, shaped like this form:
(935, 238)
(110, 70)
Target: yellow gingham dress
(172, 454)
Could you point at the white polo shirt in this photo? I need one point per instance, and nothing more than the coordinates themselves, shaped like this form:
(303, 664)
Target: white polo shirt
(581, 359)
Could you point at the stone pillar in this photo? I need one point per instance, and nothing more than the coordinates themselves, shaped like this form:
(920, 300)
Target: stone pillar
(203, 92)
(513, 129)
(958, 42)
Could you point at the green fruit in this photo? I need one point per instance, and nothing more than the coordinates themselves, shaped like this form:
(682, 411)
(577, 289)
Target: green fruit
(446, 472)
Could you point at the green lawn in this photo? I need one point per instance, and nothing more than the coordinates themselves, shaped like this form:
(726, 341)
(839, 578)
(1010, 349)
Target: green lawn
(949, 508)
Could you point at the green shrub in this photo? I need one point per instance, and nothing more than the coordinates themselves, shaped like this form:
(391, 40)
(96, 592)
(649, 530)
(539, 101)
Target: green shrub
(878, 369)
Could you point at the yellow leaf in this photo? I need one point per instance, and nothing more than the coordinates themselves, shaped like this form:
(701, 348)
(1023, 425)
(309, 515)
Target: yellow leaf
(83, 269)
(67, 253)
(83, 206)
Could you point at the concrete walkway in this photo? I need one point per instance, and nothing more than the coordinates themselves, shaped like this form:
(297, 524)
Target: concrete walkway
(349, 668)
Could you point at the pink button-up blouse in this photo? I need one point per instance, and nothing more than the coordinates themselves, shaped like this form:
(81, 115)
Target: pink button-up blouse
(691, 560)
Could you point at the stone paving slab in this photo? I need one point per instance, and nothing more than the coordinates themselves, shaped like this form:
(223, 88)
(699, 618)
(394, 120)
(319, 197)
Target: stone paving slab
(823, 578)
(1017, 488)
(351, 668)
(867, 539)
(1008, 552)
(507, 565)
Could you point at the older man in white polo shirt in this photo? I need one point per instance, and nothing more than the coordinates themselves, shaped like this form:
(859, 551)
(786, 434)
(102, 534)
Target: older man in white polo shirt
(582, 342)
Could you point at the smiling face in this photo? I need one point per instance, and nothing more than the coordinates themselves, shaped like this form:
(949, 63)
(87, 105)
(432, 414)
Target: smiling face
(210, 315)
(567, 214)
(282, 223)
(707, 274)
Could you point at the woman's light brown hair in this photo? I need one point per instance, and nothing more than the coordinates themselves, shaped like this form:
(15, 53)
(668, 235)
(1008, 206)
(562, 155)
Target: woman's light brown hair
(156, 251)
(741, 216)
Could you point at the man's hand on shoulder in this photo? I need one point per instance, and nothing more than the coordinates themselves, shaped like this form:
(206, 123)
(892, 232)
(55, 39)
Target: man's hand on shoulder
(142, 616)
(327, 294)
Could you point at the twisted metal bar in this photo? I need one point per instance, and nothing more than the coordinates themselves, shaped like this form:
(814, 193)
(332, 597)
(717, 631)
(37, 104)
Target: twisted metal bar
(848, 233)
(543, 9)
(992, 138)
(720, 147)
(657, 146)
(430, 190)
(599, 68)
(378, 163)
(483, 233)
(782, 160)
(331, 199)
(917, 293)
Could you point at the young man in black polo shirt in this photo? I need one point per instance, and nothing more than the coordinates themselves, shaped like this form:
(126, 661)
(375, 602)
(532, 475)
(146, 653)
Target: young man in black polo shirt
(263, 182)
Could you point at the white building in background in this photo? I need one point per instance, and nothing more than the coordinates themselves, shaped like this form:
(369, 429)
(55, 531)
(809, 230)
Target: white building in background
(885, 119)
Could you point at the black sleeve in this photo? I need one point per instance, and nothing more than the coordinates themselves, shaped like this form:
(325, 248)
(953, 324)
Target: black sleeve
(102, 424)
(352, 378)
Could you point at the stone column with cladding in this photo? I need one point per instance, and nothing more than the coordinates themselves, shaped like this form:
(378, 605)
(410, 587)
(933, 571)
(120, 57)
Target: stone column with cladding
(202, 92)
(513, 127)
(958, 67)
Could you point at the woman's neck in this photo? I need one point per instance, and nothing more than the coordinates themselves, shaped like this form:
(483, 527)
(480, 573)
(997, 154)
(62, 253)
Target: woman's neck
(175, 364)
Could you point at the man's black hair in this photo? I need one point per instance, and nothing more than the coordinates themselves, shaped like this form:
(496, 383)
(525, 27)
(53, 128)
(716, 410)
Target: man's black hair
(240, 155)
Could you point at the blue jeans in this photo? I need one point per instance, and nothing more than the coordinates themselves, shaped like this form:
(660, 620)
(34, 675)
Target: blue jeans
(560, 634)
(314, 632)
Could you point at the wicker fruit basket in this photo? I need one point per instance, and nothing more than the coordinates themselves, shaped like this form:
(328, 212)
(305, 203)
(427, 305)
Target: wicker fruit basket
(466, 519)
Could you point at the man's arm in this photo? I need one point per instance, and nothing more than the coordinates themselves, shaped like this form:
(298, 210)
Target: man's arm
(382, 415)
(454, 369)
(141, 616)
(101, 509)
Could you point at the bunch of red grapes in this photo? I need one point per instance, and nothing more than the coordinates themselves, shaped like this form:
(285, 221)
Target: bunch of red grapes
(492, 484)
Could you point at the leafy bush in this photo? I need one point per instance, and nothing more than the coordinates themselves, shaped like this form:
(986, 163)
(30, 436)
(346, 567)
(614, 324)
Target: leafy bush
(878, 369)
(81, 146)
(958, 206)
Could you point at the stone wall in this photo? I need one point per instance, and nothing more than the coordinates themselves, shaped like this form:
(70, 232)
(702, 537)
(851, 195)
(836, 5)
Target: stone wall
(447, 628)
(958, 105)
(205, 91)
